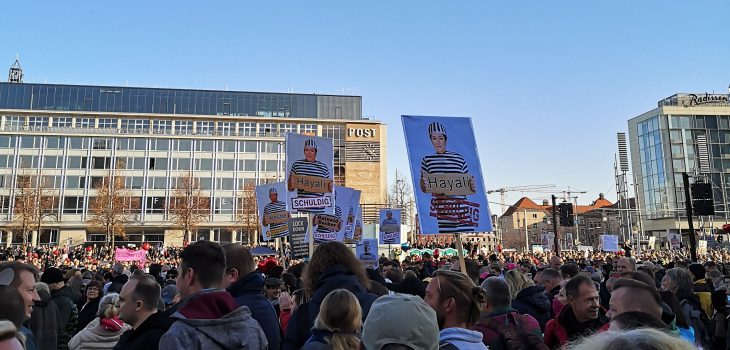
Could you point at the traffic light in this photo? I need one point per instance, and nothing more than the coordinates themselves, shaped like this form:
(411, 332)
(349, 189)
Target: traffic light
(566, 214)
(702, 203)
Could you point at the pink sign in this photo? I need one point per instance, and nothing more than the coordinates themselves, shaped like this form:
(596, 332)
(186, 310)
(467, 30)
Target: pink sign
(122, 254)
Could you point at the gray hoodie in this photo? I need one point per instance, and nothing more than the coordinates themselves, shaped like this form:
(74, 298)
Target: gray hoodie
(236, 330)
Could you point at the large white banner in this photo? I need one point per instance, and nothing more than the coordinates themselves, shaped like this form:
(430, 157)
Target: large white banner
(273, 215)
(390, 221)
(331, 227)
(447, 177)
(309, 175)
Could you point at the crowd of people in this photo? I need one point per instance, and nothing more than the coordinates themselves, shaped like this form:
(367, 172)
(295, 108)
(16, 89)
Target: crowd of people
(212, 296)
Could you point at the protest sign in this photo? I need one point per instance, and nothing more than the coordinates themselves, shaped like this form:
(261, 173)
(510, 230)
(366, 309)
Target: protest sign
(273, 215)
(367, 252)
(331, 227)
(309, 176)
(447, 177)
(298, 232)
(675, 240)
(352, 216)
(702, 246)
(390, 226)
(121, 254)
(610, 243)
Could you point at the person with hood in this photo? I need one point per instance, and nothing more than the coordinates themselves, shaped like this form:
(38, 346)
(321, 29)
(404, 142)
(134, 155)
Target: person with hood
(104, 331)
(499, 316)
(65, 299)
(44, 319)
(333, 266)
(580, 317)
(456, 301)
(208, 316)
(118, 279)
(138, 307)
(90, 309)
(246, 286)
(527, 298)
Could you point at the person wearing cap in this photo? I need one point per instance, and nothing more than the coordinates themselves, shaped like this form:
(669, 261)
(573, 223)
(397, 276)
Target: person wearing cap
(446, 162)
(118, 279)
(65, 299)
(105, 330)
(208, 316)
(245, 285)
(23, 278)
(44, 319)
(275, 206)
(400, 320)
(170, 296)
(309, 166)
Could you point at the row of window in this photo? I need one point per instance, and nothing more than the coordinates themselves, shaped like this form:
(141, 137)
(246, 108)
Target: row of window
(170, 127)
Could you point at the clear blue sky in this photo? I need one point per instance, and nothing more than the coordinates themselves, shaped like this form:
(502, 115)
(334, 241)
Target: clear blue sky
(548, 83)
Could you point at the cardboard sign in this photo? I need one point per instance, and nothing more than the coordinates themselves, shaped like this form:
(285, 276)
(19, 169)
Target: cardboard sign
(328, 222)
(390, 221)
(312, 184)
(449, 184)
(367, 253)
(675, 240)
(447, 176)
(309, 174)
(273, 216)
(332, 227)
(298, 233)
(702, 246)
(352, 215)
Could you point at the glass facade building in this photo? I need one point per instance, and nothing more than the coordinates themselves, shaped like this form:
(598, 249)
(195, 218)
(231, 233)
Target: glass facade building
(663, 145)
(71, 137)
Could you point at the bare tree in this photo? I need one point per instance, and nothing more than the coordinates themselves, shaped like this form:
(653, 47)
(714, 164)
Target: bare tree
(188, 206)
(47, 202)
(108, 209)
(25, 206)
(247, 213)
(401, 196)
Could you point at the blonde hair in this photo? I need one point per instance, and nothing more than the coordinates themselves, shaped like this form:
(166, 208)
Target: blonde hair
(340, 313)
(108, 306)
(517, 281)
(638, 339)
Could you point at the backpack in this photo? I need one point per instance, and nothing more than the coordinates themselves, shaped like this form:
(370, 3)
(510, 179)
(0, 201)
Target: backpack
(700, 322)
(513, 334)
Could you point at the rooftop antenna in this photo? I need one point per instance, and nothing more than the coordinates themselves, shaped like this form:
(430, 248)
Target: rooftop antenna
(15, 75)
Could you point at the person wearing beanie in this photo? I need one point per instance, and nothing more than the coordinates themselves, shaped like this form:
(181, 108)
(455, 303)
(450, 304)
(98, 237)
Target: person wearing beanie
(65, 300)
(401, 319)
(702, 289)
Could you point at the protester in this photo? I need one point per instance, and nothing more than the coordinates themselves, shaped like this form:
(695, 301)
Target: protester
(23, 279)
(701, 288)
(632, 295)
(286, 304)
(333, 266)
(400, 321)
(208, 316)
(272, 289)
(44, 319)
(636, 319)
(90, 309)
(104, 331)
(556, 262)
(527, 298)
(502, 326)
(170, 297)
(637, 339)
(118, 279)
(626, 264)
(720, 322)
(337, 326)
(9, 336)
(410, 285)
(65, 299)
(456, 301)
(11, 307)
(679, 282)
(582, 316)
(246, 286)
(138, 303)
(550, 280)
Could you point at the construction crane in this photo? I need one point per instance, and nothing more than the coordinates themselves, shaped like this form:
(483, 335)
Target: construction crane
(526, 188)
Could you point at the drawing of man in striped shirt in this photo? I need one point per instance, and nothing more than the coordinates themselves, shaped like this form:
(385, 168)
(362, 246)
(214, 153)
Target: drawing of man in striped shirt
(453, 212)
(280, 227)
(311, 167)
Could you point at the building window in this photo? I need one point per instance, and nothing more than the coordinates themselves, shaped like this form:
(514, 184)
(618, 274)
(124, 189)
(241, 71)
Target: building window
(37, 123)
(135, 125)
(159, 144)
(75, 182)
(224, 205)
(73, 205)
(31, 142)
(7, 141)
(85, 123)
(62, 122)
(102, 143)
(155, 205)
(205, 146)
(226, 128)
(163, 126)
(107, 123)
(205, 128)
(247, 129)
(267, 129)
(184, 127)
(248, 146)
(14, 123)
(55, 142)
(285, 128)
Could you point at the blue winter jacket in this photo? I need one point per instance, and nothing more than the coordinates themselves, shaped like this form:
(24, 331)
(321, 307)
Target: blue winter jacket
(248, 291)
(302, 320)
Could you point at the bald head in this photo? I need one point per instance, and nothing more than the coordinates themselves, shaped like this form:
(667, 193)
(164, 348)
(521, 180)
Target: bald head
(632, 295)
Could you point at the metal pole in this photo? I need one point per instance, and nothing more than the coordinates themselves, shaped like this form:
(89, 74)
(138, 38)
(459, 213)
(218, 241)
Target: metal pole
(556, 240)
(638, 214)
(527, 240)
(688, 207)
